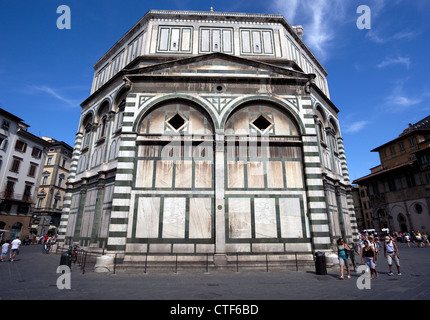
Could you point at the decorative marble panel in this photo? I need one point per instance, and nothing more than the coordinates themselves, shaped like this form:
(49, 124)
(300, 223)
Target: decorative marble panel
(293, 172)
(174, 217)
(291, 218)
(183, 174)
(255, 174)
(203, 174)
(239, 214)
(200, 218)
(265, 218)
(164, 174)
(145, 171)
(148, 217)
(235, 174)
(274, 174)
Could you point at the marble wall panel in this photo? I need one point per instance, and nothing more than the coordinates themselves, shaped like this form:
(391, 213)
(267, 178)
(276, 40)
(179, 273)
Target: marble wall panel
(183, 174)
(200, 218)
(293, 172)
(236, 174)
(265, 218)
(274, 174)
(255, 174)
(164, 174)
(157, 122)
(239, 214)
(148, 217)
(174, 217)
(203, 174)
(290, 217)
(144, 174)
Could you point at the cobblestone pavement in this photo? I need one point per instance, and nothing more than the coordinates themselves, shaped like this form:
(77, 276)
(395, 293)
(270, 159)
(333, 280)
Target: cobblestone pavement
(32, 276)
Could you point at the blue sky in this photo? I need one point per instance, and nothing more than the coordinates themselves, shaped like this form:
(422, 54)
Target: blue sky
(378, 78)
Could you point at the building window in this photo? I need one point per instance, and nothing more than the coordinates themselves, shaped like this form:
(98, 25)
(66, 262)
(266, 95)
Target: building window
(63, 164)
(45, 179)
(27, 192)
(418, 208)
(5, 125)
(116, 64)
(39, 203)
(49, 161)
(15, 165)
(256, 41)
(10, 186)
(20, 146)
(56, 200)
(37, 153)
(393, 150)
(216, 40)
(384, 154)
(103, 129)
(174, 39)
(3, 144)
(32, 170)
(60, 180)
(401, 146)
(134, 48)
(411, 142)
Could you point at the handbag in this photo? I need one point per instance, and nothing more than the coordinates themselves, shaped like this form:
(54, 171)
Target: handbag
(347, 253)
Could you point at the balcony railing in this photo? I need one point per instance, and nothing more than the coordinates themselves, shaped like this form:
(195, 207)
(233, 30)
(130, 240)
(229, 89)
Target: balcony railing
(17, 196)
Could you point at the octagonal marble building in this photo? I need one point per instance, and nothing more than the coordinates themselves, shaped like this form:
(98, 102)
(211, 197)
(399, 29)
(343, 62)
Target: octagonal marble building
(208, 133)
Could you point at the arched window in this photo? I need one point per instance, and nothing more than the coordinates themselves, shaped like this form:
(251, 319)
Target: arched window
(320, 122)
(102, 120)
(86, 128)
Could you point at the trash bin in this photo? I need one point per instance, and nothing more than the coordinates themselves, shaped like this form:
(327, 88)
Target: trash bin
(320, 264)
(66, 259)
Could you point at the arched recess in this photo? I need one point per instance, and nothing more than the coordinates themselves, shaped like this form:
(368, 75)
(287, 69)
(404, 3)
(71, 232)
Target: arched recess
(321, 120)
(174, 180)
(102, 119)
(283, 106)
(86, 128)
(119, 106)
(264, 160)
(188, 100)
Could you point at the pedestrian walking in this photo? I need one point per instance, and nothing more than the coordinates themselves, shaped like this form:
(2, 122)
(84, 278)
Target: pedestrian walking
(14, 249)
(369, 257)
(4, 249)
(408, 239)
(352, 253)
(425, 239)
(343, 253)
(373, 244)
(418, 239)
(391, 252)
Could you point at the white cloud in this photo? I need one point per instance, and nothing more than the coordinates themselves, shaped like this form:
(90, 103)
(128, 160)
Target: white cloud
(392, 61)
(376, 36)
(55, 93)
(355, 127)
(399, 100)
(320, 20)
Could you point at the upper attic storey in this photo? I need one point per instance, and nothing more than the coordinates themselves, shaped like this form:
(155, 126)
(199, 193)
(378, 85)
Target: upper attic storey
(171, 35)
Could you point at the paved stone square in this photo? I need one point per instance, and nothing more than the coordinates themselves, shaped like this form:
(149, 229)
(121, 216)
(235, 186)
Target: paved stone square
(32, 276)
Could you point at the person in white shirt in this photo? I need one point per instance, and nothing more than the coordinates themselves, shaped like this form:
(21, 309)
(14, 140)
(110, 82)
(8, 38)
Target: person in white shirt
(4, 250)
(15, 245)
(391, 252)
